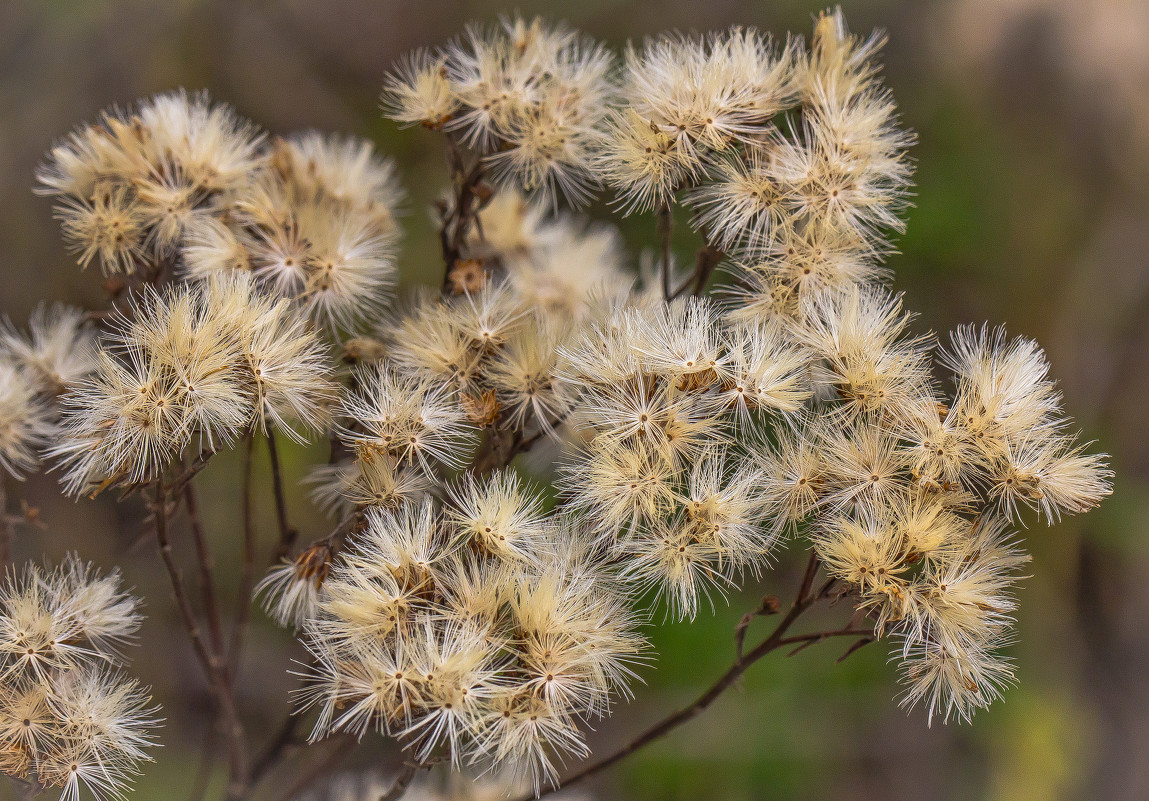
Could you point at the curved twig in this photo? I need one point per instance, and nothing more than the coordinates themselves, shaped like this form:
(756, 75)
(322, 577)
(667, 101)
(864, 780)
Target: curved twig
(805, 597)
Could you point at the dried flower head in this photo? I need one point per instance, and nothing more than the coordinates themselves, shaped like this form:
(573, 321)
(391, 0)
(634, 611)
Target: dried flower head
(199, 365)
(527, 97)
(68, 717)
(485, 631)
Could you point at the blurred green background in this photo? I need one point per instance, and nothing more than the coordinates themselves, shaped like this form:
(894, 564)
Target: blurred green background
(1032, 209)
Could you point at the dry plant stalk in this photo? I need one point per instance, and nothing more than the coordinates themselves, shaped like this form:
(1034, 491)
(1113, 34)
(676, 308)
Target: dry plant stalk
(693, 429)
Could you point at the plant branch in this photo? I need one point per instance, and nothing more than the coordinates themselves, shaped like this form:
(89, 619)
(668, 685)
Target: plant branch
(286, 739)
(803, 600)
(402, 782)
(455, 221)
(339, 752)
(770, 605)
(211, 663)
(206, 762)
(205, 565)
(707, 259)
(176, 486)
(526, 443)
(247, 568)
(864, 640)
(495, 451)
(287, 534)
(502, 445)
(665, 229)
(805, 640)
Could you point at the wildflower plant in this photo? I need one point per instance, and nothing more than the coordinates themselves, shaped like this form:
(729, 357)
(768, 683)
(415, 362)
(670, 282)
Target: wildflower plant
(695, 423)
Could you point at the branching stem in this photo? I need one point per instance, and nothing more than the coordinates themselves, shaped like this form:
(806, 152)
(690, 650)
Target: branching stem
(206, 566)
(457, 219)
(803, 600)
(706, 260)
(212, 663)
(284, 739)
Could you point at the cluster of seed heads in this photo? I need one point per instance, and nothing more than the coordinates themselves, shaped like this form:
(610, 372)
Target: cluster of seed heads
(689, 436)
(69, 718)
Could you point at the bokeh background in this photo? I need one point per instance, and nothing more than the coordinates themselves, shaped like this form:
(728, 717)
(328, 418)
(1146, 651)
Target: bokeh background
(1032, 209)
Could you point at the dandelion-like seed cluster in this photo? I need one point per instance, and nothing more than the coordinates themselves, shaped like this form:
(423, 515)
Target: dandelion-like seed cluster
(488, 629)
(69, 717)
(529, 97)
(196, 365)
(179, 184)
(690, 436)
(664, 390)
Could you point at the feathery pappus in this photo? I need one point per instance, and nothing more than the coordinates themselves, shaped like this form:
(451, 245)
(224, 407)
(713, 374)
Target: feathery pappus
(542, 449)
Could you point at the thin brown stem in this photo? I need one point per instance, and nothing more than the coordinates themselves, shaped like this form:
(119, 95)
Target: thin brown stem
(211, 663)
(803, 600)
(176, 486)
(803, 594)
(665, 230)
(502, 445)
(287, 534)
(402, 782)
(205, 565)
(247, 567)
(526, 443)
(770, 605)
(495, 451)
(804, 641)
(709, 257)
(457, 217)
(340, 750)
(854, 647)
(286, 738)
(705, 262)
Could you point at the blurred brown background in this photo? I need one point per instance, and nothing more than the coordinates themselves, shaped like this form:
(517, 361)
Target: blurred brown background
(1032, 209)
